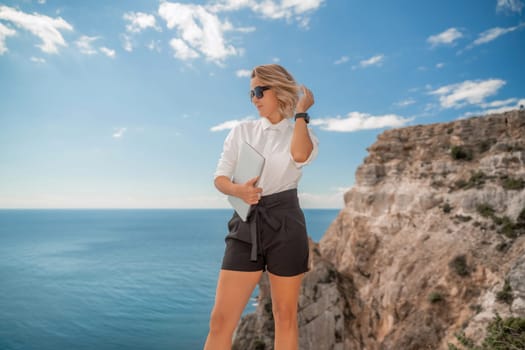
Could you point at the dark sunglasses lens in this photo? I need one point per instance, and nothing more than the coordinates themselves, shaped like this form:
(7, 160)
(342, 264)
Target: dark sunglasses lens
(259, 92)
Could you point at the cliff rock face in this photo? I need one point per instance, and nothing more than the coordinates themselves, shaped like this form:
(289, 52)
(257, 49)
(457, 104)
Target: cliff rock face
(323, 310)
(431, 242)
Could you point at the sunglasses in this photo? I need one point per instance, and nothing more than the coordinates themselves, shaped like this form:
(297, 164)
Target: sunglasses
(258, 91)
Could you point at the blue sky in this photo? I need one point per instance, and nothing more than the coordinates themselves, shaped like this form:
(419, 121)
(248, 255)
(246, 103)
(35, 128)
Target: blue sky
(126, 104)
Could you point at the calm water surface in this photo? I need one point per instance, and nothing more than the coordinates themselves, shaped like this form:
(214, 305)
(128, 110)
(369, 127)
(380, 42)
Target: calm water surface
(113, 279)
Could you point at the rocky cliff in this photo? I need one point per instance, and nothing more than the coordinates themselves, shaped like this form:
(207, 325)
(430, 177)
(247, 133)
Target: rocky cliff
(431, 242)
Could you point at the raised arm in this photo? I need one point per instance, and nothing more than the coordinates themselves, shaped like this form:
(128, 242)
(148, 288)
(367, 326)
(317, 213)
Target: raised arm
(301, 145)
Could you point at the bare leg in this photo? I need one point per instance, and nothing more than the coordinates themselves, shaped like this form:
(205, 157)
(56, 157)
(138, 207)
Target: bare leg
(233, 292)
(285, 295)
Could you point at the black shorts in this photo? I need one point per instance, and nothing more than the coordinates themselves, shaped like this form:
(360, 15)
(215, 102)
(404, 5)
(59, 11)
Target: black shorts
(278, 227)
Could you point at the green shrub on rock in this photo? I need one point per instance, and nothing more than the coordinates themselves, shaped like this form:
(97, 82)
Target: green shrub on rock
(459, 153)
(459, 265)
(435, 297)
(502, 334)
(505, 295)
(485, 210)
(510, 183)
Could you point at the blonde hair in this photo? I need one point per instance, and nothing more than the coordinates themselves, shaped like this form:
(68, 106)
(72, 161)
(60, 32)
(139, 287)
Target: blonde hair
(282, 83)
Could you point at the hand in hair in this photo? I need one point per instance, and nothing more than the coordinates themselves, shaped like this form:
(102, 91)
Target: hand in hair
(305, 101)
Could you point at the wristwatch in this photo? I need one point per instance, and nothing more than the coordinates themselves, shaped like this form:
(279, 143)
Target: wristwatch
(303, 115)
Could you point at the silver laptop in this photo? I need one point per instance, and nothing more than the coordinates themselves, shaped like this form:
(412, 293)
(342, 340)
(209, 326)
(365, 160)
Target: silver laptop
(249, 165)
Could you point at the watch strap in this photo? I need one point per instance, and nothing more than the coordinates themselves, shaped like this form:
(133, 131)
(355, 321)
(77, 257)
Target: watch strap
(305, 116)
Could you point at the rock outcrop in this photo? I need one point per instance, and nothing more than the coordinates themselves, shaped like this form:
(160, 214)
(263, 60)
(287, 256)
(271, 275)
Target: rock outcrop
(431, 242)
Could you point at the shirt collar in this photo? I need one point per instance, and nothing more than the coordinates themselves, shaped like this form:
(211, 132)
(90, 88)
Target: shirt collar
(281, 126)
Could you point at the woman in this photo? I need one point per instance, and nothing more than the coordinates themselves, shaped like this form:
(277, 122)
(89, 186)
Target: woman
(276, 220)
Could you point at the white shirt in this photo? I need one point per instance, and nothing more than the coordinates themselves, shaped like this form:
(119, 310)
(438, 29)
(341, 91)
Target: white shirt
(280, 172)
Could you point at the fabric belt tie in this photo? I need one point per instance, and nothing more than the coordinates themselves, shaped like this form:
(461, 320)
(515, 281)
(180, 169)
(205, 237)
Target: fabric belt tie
(259, 212)
(249, 231)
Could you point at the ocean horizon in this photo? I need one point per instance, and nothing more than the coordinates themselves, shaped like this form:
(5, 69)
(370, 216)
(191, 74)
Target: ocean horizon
(114, 278)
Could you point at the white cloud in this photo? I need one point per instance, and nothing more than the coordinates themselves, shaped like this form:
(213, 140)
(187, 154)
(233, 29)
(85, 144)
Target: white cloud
(139, 21)
(44, 27)
(440, 65)
(41, 2)
(232, 5)
(407, 102)
(73, 199)
(493, 107)
(467, 92)
(509, 5)
(376, 60)
(445, 38)
(119, 133)
(343, 59)
(38, 60)
(499, 103)
(498, 110)
(4, 33)
(228, 27)
(127, 43)
(287, 9)
(323, 201)
(199, 30)
(493, 33)
(229, 124)
(182, 50)
(429, 107)
(154, 45)
(108, 52)
(243, 73)
(487, 111)
(242, 29)
(84, 43)
(356, 121)
(304, 22)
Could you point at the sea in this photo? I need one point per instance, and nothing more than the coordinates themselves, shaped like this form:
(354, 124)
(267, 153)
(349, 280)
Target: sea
(114, 278)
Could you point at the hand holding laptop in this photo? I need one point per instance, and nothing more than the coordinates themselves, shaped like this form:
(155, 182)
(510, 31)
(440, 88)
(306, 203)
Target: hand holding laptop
(249, 167)
(248, 192)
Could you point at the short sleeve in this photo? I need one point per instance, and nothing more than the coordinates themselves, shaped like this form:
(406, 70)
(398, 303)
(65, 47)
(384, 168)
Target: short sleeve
(313, 154)
(228, 159)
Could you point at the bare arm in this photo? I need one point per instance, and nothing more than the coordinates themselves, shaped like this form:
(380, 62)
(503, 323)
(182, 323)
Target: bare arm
(247, 191)
(301, 145)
